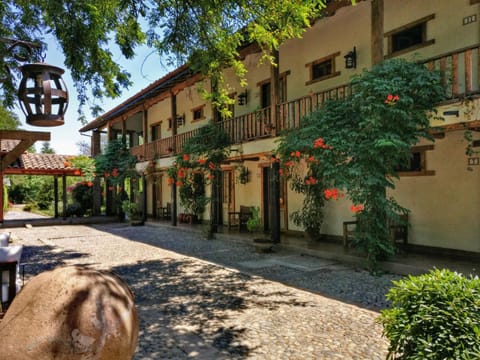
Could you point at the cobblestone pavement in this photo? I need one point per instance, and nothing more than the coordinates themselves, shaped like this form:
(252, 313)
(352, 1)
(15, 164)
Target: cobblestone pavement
(218, 299)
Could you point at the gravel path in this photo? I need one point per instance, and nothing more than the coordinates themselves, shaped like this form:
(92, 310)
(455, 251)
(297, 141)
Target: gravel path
(218, 299)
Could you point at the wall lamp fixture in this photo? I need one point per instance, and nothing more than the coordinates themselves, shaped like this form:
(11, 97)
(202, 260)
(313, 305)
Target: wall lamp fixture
(351, 59)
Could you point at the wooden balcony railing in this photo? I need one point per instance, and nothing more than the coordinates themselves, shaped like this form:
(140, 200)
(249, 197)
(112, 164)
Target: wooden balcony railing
(461, 75)
(460, 71)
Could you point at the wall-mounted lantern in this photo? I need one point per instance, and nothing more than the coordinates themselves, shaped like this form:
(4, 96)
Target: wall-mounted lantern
(243, 98)
(42, 92)
(351, 59)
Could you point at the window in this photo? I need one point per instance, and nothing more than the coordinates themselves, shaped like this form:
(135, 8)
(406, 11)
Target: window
(180, 121)
(155, 131)
(409, 37)
(266, 90)
(322, 69)
(266, 95)
(197, 113)
(417, 164)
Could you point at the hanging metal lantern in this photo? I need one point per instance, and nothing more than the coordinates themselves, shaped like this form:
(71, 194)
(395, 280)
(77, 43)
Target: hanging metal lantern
(43, 95)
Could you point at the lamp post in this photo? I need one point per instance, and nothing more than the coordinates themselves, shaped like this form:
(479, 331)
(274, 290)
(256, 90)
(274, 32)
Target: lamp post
(42, 93)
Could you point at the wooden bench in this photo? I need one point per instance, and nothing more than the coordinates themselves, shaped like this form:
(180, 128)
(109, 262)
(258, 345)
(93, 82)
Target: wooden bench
(165, 212)
(398, 231)
(238, 219)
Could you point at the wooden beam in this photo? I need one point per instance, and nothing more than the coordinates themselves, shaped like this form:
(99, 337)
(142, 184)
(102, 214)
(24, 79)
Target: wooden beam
(23, 135)
(377, 14)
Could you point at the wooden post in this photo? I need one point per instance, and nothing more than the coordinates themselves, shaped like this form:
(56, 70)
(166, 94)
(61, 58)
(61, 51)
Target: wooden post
(275, 202)
(55, 194)
(97, 191)
(144, 186)
(377, 14)
(173, 98)
(275, 91)
(64, 195)
(1, 197)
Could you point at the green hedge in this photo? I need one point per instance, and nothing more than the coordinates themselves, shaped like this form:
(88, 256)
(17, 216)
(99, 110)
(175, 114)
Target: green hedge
(434, 316)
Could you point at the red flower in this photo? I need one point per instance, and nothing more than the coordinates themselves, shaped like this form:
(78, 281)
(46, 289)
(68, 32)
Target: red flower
(77, 172)
(110, 188)
(357, 208)
(186, 157)
(211, 166)
(297, 154)
(289, 163)
(210, 176)
(66, 164)
(107, 174)
(391, 99)
(202, 161)
(332, 194)
(181, 174)
(90, 184)
(179, 183)
(311, 181)
(170, 181)
(115, 172)
(319, 143)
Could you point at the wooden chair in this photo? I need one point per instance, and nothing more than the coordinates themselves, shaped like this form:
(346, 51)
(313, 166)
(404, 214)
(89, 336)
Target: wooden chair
(398, 231)
(166, 212)
(238, 219)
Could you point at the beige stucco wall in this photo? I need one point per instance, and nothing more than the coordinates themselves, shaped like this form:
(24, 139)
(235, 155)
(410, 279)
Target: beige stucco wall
(445, 208)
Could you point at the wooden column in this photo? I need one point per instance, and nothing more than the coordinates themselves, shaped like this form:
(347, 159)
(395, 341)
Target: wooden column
(64, 195)
(144, 194)
(173, 98)
(1, 196)
(95, 148)
(275, 90)
(55, 194)
(275, 202)
(377, 14)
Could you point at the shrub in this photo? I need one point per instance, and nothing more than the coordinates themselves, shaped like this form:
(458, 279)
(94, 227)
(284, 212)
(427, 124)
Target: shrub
(74, 209)
(433, 316)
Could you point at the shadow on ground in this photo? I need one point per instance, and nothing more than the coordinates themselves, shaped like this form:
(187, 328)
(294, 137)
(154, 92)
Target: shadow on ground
(185, 304)
(336, 281)
(37, 259)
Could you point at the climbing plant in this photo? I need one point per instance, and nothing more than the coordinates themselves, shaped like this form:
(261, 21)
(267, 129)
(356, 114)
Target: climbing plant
(354, 145)
(116, 165)
(198, 164)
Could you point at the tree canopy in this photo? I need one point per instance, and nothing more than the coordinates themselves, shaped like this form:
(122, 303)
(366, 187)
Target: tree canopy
(8, 120)
(206, 34)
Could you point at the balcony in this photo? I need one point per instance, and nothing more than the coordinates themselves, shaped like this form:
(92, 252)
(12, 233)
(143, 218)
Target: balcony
(461, 76)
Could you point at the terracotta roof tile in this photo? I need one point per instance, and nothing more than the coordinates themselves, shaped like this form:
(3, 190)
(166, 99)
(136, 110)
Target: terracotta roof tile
(8, 145)
(29, 161)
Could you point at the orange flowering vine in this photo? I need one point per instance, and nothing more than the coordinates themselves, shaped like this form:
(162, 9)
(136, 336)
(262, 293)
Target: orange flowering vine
(311, 181)
(332, 194)
(357, 208)
(391, 99)
(320, 143)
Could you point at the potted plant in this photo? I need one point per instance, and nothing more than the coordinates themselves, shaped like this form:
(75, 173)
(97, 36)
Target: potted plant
(132, 213)
(254, 225)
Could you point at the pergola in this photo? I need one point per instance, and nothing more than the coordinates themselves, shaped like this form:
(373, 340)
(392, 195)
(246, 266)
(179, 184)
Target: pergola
(15, 160)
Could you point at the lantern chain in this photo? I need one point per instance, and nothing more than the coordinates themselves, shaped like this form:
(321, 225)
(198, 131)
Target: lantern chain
(20, 50)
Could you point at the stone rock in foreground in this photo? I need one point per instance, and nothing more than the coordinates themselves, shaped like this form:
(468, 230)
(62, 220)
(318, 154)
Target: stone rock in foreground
(71, 313)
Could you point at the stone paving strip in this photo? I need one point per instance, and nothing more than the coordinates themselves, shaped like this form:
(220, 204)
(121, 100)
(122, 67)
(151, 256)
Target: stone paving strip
(218, 299)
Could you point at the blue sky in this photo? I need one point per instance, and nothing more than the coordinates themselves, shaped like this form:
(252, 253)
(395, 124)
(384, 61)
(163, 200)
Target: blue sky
(144, 69)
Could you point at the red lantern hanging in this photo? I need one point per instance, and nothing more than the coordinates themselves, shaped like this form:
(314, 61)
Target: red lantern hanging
(43, 95)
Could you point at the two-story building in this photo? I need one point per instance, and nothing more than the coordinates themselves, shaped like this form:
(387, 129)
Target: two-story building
(441, 189)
